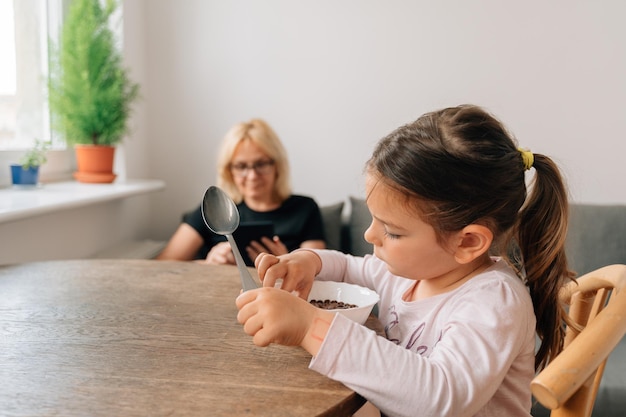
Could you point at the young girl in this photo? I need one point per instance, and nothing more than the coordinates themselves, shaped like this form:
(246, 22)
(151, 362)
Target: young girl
(447, 194)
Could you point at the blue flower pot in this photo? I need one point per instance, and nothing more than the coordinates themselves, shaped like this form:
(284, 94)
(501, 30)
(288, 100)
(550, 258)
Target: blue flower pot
(23, 176)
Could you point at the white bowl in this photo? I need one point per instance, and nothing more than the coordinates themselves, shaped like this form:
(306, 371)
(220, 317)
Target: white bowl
(363, 297)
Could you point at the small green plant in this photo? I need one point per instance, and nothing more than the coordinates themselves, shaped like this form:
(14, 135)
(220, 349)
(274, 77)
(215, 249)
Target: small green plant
(35, 156)
(90, 93)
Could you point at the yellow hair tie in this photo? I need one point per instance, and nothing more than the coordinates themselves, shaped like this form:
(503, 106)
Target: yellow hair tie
(527, 157)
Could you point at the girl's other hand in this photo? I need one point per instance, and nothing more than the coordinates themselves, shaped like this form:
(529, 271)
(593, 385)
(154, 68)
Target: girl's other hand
(296, 270)
(271, 315)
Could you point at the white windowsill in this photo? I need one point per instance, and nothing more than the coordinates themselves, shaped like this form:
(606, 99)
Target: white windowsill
(17, 204)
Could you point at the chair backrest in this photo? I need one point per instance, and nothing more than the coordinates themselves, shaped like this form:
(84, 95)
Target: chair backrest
(569, 384)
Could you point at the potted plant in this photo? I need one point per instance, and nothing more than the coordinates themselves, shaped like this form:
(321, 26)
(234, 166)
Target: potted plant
(90, 90)
(26, 173)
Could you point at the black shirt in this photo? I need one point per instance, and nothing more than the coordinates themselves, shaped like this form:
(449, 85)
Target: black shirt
(298, 219)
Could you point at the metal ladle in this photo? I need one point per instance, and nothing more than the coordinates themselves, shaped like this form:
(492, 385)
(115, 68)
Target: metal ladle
(220, 214)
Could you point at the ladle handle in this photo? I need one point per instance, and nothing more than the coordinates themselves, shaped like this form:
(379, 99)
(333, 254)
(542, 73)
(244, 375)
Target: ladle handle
(247, 282)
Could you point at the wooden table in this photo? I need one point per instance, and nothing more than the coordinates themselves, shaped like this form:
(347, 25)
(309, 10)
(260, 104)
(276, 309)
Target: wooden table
(145, 338)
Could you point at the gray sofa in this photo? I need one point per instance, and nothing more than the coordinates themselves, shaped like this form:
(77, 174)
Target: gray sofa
(596, 238)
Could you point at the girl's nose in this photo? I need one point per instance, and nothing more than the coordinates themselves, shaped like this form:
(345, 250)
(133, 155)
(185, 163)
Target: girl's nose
(370, 236)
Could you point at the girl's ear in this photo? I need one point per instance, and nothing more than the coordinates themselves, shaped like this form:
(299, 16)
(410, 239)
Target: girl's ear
(474, 241)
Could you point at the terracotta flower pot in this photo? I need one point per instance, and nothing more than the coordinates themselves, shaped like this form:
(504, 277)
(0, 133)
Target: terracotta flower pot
(94, 163)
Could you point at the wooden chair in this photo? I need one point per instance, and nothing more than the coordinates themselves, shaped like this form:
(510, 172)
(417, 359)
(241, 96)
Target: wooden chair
(569, 384)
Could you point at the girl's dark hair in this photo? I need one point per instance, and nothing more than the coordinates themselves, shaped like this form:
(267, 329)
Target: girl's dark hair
(463, 167)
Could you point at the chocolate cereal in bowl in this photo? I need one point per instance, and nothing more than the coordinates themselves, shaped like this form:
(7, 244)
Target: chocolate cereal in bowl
(353, 301)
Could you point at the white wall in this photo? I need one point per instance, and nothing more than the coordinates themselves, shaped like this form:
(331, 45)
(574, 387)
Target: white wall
(333, 77)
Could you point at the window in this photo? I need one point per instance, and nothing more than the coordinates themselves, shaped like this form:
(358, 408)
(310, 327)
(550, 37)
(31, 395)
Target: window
(26, 26)
(23, 70)
(7, 71)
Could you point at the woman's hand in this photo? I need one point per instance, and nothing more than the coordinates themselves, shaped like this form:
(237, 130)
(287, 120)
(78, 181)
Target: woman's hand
(272, 315)
(273, 246)
(296, 271)
(221, 254)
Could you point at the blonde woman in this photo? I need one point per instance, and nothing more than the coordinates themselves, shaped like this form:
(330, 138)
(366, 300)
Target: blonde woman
(253, 169)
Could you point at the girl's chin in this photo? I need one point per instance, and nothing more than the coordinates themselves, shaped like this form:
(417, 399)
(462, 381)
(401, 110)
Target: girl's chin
(396, 272)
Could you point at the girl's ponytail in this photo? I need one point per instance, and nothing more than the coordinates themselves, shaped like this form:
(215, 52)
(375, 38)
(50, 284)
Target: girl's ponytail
(541, 233)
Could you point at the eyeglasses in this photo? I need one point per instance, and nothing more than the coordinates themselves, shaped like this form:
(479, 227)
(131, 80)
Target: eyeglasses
(260, 167)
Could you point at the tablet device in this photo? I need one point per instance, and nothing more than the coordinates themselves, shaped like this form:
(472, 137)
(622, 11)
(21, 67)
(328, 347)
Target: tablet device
(251, 231)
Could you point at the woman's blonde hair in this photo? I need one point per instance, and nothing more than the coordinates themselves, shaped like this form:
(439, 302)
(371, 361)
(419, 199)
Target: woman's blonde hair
(262, 135)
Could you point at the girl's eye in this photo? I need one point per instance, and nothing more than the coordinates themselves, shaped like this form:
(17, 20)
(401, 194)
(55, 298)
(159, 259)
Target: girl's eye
(391, 235)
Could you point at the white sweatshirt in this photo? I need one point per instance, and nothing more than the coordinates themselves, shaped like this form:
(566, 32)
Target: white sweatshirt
(468, 352)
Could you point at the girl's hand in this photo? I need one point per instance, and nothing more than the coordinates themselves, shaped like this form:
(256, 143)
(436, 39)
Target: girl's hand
(296, 270)
(221, 254)
(273, 246)
(271, 315)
